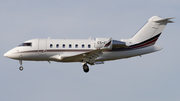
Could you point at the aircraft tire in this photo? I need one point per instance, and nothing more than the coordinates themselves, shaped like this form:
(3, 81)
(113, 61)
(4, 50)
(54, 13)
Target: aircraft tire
(85, 68)
(21, 68)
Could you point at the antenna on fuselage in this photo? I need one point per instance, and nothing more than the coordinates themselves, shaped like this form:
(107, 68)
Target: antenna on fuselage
(49, 37)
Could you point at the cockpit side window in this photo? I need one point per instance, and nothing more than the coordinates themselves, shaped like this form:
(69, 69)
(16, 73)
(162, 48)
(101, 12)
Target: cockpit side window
(26, 44)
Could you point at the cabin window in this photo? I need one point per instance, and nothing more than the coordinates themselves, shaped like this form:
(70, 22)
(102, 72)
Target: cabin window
(76, 45)
(51, 45)
(63, 45)
(89, 46)
(26, 44)
(82, 45)
(70, 45)
(57, 45)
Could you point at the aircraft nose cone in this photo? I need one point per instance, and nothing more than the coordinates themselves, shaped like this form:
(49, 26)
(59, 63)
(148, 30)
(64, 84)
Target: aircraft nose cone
(12, 54)
(6, 55)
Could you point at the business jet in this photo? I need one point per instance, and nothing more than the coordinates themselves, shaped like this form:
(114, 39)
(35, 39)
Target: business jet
(91, 51)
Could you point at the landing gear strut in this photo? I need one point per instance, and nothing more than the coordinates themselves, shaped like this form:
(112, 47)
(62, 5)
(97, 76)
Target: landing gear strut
(85, 68)
(21, 67)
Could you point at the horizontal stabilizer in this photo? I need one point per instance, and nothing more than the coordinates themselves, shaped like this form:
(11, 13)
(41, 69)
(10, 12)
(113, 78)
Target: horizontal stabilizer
(163, 20)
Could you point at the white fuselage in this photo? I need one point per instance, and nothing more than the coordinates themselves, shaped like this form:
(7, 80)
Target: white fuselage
(53, 49)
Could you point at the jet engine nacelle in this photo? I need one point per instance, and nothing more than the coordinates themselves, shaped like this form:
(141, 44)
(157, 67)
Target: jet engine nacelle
(108, 43)
(118, 44)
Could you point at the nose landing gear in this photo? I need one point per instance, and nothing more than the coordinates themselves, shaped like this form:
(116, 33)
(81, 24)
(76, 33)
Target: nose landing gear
(21, 67)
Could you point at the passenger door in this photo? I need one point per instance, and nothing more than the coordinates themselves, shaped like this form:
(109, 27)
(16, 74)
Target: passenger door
(42, 46)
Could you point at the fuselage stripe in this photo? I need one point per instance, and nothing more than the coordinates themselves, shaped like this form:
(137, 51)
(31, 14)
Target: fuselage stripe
(143, 44)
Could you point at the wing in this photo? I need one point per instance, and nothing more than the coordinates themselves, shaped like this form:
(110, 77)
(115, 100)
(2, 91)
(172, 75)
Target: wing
(88, 57)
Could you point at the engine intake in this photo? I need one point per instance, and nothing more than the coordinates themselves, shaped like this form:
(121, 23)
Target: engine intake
(118, 44)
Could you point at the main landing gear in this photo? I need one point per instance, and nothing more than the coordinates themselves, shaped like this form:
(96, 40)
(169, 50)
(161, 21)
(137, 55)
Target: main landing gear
(21, 67)
(85, 68)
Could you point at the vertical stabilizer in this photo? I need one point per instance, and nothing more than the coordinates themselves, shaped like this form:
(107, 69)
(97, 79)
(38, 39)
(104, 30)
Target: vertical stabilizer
(152, 29)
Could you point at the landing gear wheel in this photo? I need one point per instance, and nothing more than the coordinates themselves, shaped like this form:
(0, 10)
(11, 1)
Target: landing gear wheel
(85, 68)
(21, 68)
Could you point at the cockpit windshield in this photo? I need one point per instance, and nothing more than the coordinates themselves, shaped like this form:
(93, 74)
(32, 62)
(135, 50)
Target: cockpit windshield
(26, 44)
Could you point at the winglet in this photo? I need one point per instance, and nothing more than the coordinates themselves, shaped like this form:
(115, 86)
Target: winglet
(108, 45)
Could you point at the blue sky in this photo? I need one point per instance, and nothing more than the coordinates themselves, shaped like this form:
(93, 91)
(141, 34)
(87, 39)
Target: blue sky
(152, 77)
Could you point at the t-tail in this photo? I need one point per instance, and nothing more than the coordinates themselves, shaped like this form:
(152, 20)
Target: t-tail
(150, 32)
